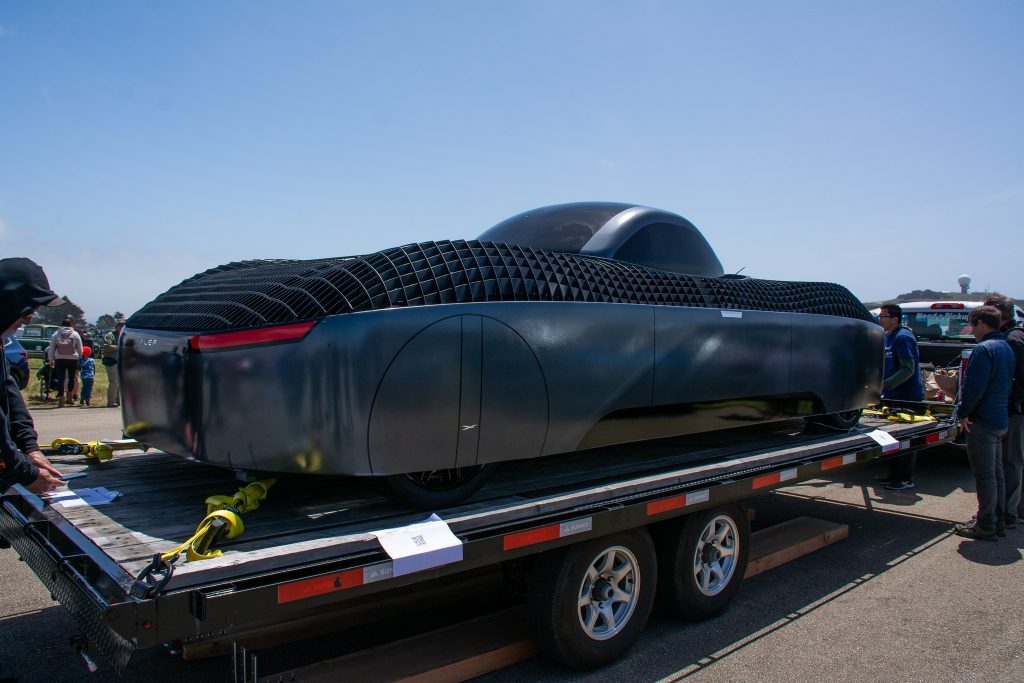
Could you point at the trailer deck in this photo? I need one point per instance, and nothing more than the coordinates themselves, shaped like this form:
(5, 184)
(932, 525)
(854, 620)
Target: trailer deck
(311, 545)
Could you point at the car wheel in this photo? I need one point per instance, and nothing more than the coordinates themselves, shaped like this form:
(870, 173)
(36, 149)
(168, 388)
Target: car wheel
(589, 602)
(842, 421)
(703, 558)
(437, 488)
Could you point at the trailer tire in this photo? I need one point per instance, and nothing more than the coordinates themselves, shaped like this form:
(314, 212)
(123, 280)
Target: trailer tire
(702, 559)
(581, 618)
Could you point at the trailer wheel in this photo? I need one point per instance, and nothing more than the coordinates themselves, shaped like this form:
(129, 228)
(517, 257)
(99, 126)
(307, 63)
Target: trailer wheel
(702, 560)
(589, 602)
(437, 488)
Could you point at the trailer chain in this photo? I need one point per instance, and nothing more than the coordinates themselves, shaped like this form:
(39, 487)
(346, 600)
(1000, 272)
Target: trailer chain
(153, 578)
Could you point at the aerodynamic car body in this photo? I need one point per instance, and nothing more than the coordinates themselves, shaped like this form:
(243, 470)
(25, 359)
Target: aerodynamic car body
(565, 328)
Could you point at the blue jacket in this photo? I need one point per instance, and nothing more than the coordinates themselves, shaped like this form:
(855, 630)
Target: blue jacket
(899, 345)
(985, 391)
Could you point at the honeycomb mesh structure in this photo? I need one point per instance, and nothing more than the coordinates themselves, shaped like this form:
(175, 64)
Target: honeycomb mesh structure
(250, 294)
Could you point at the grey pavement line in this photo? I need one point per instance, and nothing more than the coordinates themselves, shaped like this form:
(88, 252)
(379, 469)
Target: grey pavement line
(792, 617)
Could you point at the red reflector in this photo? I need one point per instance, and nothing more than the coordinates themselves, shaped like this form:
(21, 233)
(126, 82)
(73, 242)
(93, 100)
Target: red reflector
(767, 480)
(525, 538)
(656, 507)
(931, 438)
(320, 585)
(831, 463)
(262, 335)
(947, 306)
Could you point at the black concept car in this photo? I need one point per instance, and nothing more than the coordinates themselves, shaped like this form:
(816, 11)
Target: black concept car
(565, 328)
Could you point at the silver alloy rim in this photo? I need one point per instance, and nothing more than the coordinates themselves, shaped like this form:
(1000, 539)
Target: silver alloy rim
(608, 593)
(714, 559)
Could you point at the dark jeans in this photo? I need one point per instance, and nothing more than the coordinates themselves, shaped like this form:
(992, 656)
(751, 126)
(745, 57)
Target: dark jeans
(984, 451)
(901, 468)
(1013, 468)
(65, 369)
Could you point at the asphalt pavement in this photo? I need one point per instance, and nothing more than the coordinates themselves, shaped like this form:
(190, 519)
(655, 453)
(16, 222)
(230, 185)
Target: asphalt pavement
(901, 599)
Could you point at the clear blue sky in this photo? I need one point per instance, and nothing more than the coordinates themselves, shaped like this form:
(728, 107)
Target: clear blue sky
(875, 144)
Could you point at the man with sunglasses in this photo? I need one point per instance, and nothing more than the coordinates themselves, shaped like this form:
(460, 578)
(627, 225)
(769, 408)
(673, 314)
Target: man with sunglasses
(901, 382)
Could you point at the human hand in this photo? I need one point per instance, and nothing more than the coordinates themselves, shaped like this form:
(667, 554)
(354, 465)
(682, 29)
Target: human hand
(44, 483)
(43, 463)
(965, 424)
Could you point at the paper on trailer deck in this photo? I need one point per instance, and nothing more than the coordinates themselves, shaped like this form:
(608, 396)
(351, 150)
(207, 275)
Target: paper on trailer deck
(420, 546)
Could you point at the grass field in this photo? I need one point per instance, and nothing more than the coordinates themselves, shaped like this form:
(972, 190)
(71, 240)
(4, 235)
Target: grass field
(31, 392)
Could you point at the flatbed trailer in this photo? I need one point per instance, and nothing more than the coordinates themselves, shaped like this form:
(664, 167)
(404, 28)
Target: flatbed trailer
(312, 547)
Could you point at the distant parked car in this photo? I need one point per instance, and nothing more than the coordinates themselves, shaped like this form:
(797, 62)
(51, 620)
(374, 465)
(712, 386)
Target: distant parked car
(35, 338)
(943, 329)
(17, 358)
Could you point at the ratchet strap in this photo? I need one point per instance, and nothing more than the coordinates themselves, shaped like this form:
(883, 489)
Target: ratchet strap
(223, 520)
(898, 414)
(95, 450)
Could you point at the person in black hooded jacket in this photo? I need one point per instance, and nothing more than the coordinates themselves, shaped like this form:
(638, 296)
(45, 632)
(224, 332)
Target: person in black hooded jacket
(23, 289)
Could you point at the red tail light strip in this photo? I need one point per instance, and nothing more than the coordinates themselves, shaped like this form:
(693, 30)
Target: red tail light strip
(261, 335)
(521, 539)
(322, 585)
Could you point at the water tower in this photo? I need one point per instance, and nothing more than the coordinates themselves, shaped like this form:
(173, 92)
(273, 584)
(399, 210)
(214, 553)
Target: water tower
(965, 283)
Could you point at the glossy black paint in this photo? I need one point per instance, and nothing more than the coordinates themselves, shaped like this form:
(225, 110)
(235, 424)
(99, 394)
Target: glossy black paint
(411, 389)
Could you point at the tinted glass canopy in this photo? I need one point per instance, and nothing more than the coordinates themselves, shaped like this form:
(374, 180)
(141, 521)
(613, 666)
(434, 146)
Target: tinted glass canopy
(625, 232)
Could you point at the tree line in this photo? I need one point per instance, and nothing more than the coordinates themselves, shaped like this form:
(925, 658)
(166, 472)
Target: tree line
(54, 315)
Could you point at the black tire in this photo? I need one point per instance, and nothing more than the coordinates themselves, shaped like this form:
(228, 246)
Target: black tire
(562, 579)
(702, 559)
(843, 421)
(19, 377)
(437, 488)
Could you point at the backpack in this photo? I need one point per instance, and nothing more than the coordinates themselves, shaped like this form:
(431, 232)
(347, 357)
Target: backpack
(64, 345)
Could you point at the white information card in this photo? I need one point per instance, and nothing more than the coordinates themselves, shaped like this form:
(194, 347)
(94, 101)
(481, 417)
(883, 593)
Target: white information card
(885, 440)
(420, 546)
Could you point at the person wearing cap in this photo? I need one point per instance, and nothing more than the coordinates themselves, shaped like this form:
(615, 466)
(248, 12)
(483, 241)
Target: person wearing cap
(87, 372)
(23, 289)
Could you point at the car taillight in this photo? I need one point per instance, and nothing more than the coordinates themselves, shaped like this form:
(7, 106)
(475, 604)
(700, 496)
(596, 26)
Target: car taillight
(947, 306)
(260, 335)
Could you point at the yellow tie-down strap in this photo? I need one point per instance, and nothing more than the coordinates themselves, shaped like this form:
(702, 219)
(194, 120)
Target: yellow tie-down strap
(94, 450)
(223, 519)
(898, 414)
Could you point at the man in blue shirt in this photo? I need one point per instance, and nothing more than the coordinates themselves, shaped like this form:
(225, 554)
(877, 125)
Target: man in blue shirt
(902, 382)
(984, 398)
(1013, 442)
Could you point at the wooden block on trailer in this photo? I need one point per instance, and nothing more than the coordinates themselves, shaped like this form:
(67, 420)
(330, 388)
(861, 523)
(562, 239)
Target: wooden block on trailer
(456, 653)
(785, 542)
